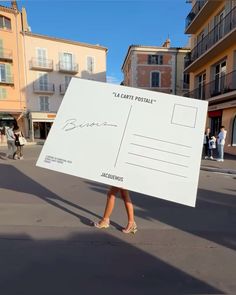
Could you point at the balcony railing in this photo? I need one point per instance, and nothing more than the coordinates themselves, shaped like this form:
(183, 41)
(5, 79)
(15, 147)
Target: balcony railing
(63, 88)
(227, 24)
(41, 64)
(68, 67)
(224, 84)
(5, 54)
(194, 11)
(43, 88)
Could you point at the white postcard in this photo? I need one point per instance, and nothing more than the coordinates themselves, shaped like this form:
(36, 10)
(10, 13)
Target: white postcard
(145, 141)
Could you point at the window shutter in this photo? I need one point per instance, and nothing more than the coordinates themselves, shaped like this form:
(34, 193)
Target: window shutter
(1, 48)
(3, 93)
(161, 59)
(8, 73)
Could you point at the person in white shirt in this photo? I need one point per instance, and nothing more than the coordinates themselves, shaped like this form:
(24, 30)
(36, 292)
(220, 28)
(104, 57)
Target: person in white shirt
(220, 143)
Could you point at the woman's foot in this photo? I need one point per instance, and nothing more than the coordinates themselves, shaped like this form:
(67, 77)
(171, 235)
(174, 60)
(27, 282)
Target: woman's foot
(103, 223)
(131, 228)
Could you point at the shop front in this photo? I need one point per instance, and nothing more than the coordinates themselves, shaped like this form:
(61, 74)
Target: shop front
(224, 114)
(40, 125)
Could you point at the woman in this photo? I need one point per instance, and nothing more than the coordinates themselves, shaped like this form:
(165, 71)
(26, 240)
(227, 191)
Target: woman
(105, 221)
(19, 146)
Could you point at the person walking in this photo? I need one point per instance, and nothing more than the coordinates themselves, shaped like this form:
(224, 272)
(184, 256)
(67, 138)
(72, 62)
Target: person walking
(19, 143)
(221, 143)
(111, 195)
(207, 137)
(10, 140)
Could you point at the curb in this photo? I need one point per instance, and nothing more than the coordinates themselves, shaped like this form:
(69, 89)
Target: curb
(221, 170)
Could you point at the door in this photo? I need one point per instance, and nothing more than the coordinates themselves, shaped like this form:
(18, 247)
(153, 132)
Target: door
(67, 60)
(43, 82)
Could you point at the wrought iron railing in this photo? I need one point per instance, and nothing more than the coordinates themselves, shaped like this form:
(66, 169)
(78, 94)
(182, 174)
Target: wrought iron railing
(224, 84)
(227, 24)
(41, 63)
(194, 11)
(44, 87)
(68, 67)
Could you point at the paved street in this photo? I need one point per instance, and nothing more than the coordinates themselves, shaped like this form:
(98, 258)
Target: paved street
(48, 245)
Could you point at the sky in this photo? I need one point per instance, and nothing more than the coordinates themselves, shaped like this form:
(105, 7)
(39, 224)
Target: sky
(115, 24)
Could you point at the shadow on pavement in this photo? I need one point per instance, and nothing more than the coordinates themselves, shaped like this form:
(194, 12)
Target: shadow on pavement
(13, 179)
(81, 266)
(214, 217)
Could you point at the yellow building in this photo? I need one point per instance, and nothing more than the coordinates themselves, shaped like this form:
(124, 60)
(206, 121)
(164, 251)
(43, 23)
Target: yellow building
(212, 63)
(12, 77)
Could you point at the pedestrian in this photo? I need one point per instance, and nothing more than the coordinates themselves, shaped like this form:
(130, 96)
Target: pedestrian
(111, 195)
(2, 133)
(220, 143)
(207, 136)
(19, 143)
(10, 140)
(212, 146)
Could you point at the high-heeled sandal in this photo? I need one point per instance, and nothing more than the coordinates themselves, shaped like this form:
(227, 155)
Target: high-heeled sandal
(130, 229)
(102, 224)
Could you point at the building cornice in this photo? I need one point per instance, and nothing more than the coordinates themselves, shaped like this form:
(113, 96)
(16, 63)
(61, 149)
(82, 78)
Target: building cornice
(146, 49)
(8, 9)
(64, 41)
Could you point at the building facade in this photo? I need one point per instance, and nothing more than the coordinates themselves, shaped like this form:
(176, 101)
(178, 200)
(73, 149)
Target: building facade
(156, 68)
(12, 78)
(212, 63)
(35, 71)
(50, 63)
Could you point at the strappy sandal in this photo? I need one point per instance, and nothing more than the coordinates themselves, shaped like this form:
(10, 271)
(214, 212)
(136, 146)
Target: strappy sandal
(103, 223)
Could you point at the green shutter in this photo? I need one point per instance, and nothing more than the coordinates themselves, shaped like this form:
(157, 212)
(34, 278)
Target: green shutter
(3, 93)
(9, 78)
(1, 48)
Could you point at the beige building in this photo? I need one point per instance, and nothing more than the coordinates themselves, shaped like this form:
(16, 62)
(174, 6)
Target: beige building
(12, 78)
(212, 63)
(49, 65)
(157, 68)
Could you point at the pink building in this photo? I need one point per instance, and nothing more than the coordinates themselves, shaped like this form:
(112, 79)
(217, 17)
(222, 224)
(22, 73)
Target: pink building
(156, 68)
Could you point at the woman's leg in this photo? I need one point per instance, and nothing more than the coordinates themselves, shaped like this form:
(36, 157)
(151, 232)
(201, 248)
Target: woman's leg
(111, 195)
(128, 205)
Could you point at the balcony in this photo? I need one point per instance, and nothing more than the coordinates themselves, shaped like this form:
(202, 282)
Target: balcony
(63, 88)
(222, 36)
(6, 55)
(218, 89)
(199, 14)
(67, 67)
(41, 64)
(47, 88)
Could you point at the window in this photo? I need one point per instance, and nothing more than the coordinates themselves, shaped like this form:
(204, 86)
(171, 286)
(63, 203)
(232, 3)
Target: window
(219, 77)
(155, 79)
(44, 103)
(43, 81)
(185, 81)
(90, 64)
(67, 61)
(234, 132)
(3, 93)
(201, 81)
(67, 80)
(3, 75)
(155, 59)
(41, 54)
(5, 23)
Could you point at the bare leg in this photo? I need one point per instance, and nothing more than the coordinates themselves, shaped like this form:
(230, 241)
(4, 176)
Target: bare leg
(128, 204)
(111, 195)
(131, 226)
